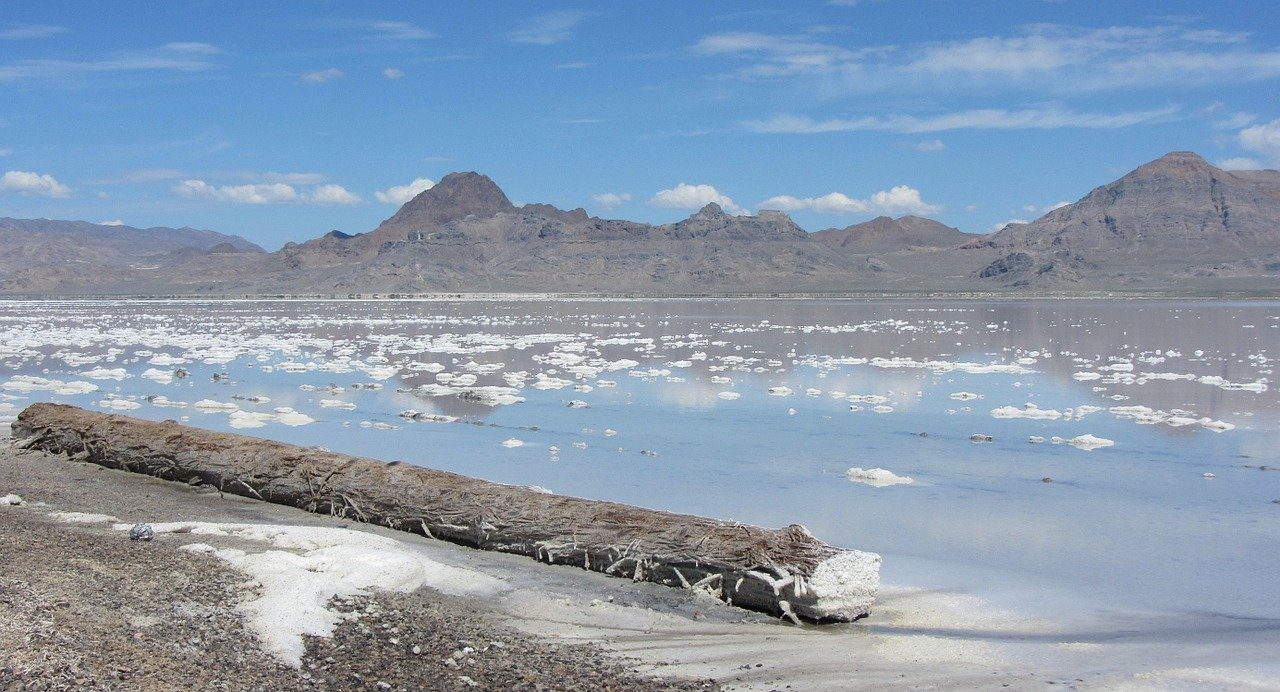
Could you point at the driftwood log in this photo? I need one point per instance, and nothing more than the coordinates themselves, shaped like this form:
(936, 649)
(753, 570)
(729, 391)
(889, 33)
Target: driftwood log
(785, 572)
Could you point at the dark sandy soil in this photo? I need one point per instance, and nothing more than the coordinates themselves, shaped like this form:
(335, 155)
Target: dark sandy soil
(82, 607)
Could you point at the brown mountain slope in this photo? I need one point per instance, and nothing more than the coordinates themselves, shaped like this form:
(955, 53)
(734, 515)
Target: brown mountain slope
(885, 234)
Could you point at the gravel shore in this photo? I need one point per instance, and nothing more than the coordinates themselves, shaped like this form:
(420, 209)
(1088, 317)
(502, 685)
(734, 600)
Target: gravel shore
(83, 607)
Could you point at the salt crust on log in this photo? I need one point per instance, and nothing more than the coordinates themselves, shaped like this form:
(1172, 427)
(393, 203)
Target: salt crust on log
(784, 572)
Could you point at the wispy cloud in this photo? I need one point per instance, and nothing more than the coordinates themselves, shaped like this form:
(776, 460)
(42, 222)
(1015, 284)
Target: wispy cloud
(392, 73)
(322, 76)
(1042, 57)
(28, 183)
(901, 199)
(164, 58)
(387, 30)
(546, 29)
(31, 31)
(981, 119)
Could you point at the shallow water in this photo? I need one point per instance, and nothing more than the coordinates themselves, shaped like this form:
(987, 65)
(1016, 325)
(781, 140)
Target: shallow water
(1135, 526)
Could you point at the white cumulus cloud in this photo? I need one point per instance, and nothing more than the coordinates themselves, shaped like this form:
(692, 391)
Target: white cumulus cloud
(332, 194)
(901, 199)
(611, 200)
(1263, 139)
(685, 196)
(400, 194)
(265, 193)
(29, 183)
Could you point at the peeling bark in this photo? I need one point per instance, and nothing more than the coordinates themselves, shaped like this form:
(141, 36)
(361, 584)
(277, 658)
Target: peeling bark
(785, 572)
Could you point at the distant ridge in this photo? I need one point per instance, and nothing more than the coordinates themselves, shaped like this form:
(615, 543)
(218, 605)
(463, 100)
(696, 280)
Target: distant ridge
(885, 234)
(1176, 224)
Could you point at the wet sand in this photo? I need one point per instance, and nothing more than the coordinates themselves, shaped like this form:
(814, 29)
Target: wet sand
(85, 607)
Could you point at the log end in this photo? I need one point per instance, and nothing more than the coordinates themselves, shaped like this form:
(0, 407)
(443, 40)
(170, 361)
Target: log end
(842, 588)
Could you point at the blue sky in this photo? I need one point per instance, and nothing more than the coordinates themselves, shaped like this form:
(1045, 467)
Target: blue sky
(281, 121)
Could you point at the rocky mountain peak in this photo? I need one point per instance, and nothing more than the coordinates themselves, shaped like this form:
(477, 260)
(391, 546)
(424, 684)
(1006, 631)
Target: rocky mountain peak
(457, 196)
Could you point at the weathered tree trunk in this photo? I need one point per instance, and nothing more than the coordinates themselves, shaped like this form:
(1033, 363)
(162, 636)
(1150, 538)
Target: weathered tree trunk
(782, 572)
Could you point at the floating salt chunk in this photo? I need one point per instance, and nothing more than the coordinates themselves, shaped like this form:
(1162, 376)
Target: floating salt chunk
(287, 416)
(582, 388)
(577, 403)
(780, 391)
(606, 383)
(980, 438)
(512, 443)
(1035, 439)
(12, 500)
(648, 453)
(1209, 475)
(1086, 376)
(721, 379)
(965, 396)
(165, 402)
(1216, 425)
(211, 405)
(1029, 411)
(813, 392)
(159, 376)
(882, 409)
(877, 477)
(119, 404)
(610, 432)
(728, 396)
(249, 419)
(336, 403)
(106, 374)
(580, 445)
(28, 383)
(791, 412)
(378, 425)
(1089, 442)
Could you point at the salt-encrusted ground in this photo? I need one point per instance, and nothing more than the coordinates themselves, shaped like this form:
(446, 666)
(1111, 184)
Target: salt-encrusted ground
(85, 607)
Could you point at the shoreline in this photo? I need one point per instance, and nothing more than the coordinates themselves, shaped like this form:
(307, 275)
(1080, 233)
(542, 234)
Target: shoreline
(914, 637)
(1260, 295)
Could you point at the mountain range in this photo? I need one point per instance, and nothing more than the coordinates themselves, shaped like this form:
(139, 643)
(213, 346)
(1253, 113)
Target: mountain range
(1174, 224)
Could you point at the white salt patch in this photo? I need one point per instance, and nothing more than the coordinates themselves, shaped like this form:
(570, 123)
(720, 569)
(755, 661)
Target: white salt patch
(877, 478)
(780, 391)
(106, 374)
(159, 376)
(249, 419)
(119, 404)
(728, 396)
(1030, 411)
(1089, 442)
(843, 586)
(12, 500)
(83, 517)
(577, 403)
(965, 396)
(310, 566)
(28, 383)
(336, 403)
(512, 443)
(287, 416)
(211, 405)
